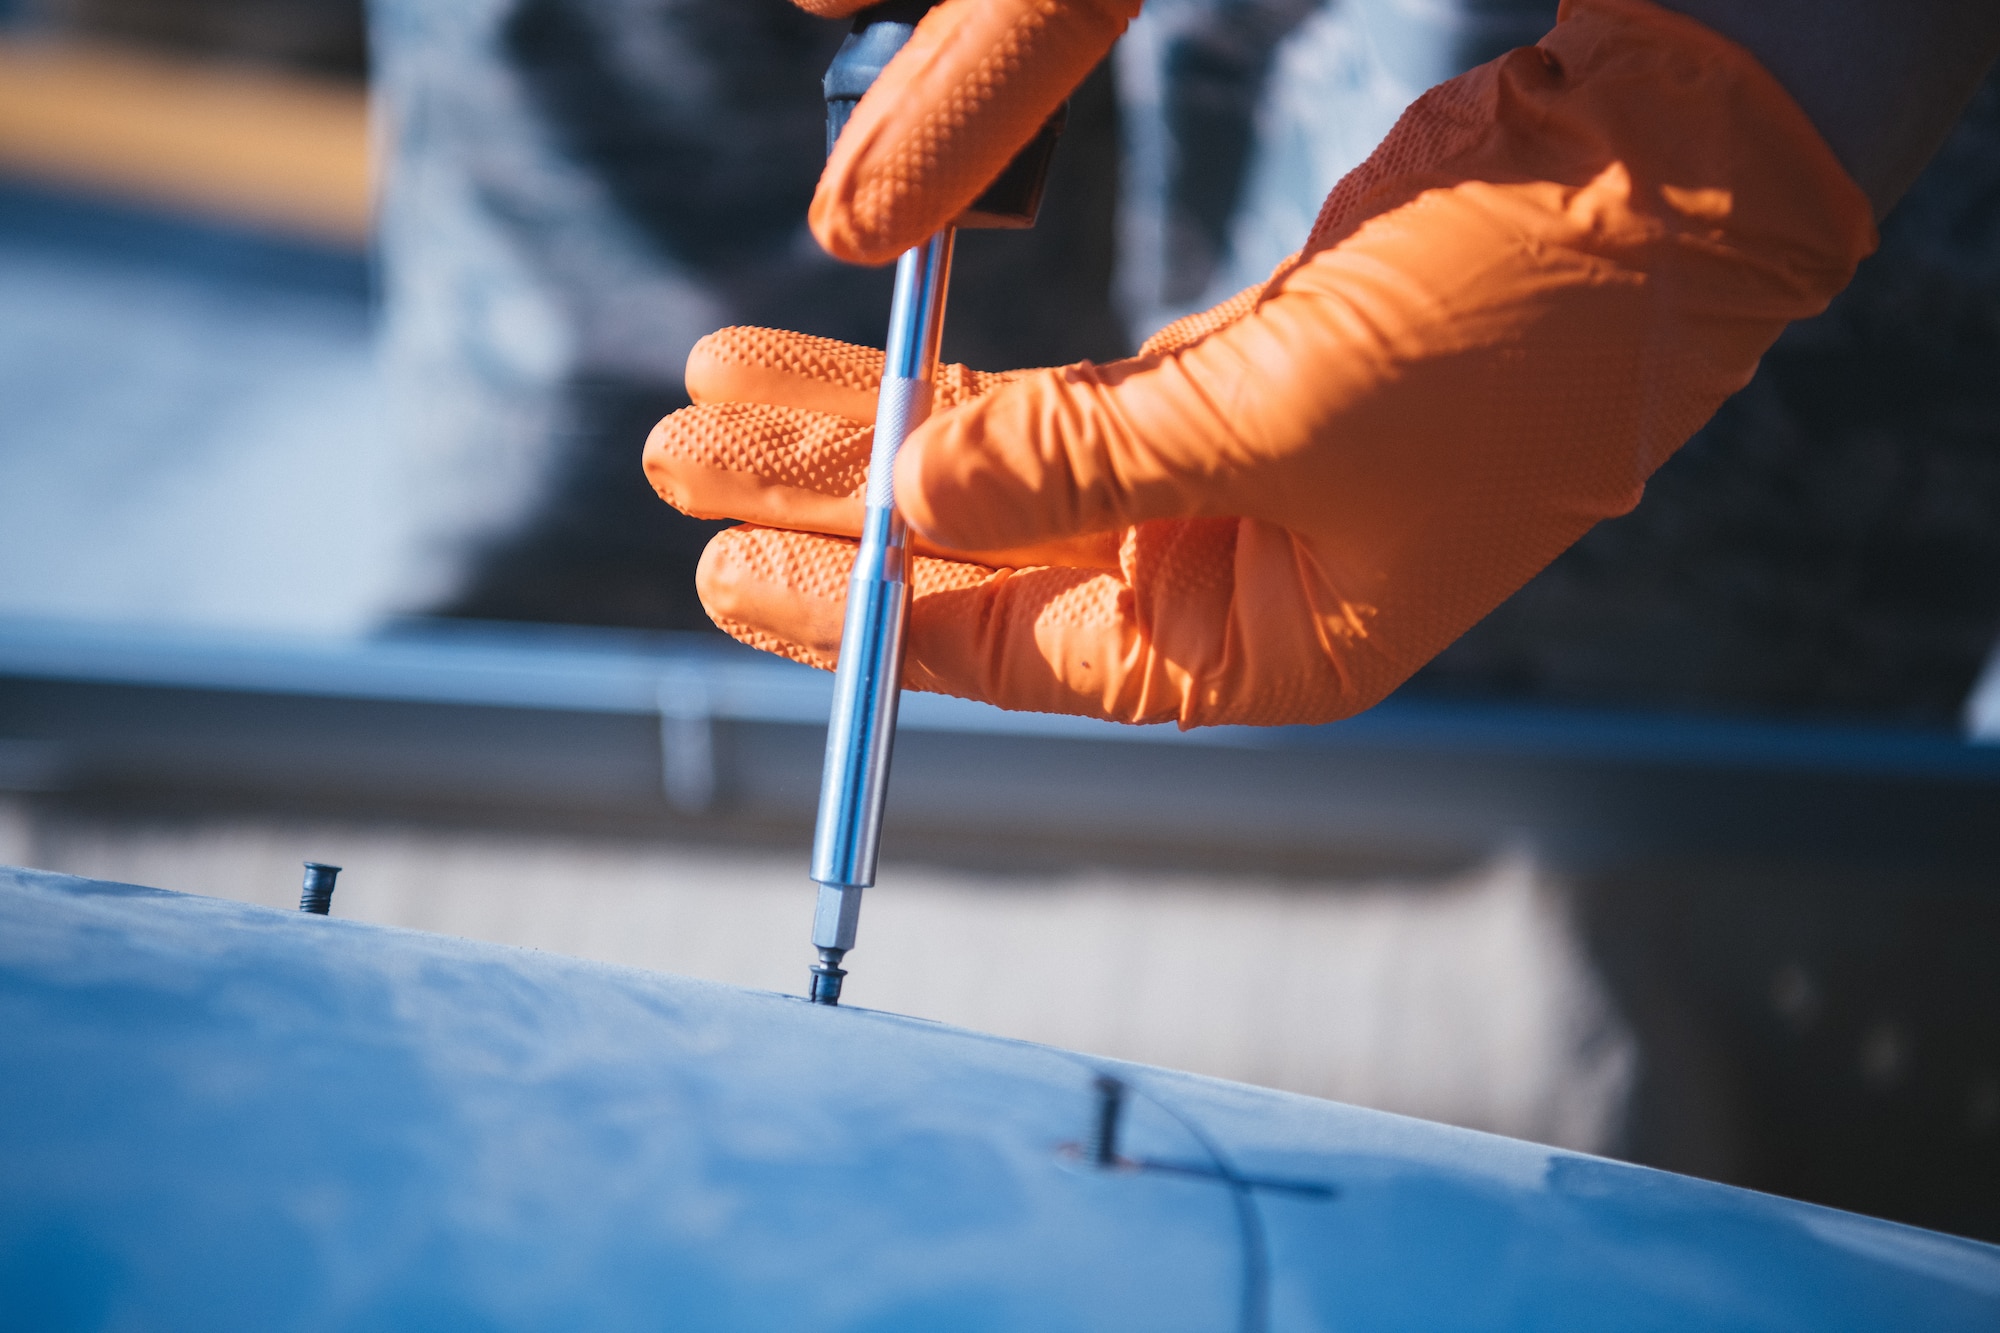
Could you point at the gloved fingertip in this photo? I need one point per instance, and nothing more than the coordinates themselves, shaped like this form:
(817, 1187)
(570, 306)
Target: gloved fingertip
(656, 461)
(1001, 471)
(713, 583)
(784, 592)
(703, 359)
(706, 345)
(832, 9)
(915, 504)
(831, 219)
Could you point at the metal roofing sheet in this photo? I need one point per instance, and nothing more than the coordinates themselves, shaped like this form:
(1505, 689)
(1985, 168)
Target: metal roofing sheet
(216, 1115)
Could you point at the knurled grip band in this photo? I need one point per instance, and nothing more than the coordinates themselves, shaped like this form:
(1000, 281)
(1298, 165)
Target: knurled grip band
(901, 408)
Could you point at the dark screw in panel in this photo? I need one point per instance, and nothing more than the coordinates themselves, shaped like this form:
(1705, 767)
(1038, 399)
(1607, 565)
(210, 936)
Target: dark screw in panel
(317, 894)
(826, 976)
(1103, 1147)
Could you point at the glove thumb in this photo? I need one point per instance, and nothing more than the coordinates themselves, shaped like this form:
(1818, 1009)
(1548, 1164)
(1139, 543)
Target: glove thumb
(1065, 452)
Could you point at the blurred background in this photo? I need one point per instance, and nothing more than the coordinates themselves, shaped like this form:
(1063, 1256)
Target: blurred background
(328, 341)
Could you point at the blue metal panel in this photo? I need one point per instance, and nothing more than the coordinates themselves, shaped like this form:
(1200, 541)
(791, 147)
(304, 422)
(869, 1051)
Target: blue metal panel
(219, 1116)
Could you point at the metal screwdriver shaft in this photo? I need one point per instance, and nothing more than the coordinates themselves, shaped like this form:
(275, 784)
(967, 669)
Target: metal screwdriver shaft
(854, 785)
(861, 732)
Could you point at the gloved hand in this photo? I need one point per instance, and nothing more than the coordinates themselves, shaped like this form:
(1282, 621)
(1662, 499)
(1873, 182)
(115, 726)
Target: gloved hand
(975, 82)
(1551, 272)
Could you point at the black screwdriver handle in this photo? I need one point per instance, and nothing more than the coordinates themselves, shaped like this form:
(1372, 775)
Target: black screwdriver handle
(1015, 196)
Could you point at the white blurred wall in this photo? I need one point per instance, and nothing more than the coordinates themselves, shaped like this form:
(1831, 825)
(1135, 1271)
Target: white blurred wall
(1465, 999)
(179, 451)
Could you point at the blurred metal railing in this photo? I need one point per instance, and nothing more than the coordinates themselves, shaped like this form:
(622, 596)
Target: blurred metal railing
(641, 730)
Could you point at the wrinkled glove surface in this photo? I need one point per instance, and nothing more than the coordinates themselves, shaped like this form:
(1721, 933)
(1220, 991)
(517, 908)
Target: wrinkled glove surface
(1551, 272)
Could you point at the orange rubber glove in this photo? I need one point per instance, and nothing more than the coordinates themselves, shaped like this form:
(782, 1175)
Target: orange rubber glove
(1551, 272)
(974, 83)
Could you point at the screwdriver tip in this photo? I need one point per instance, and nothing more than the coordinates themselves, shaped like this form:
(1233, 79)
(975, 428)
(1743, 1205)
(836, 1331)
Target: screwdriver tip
(826, 977)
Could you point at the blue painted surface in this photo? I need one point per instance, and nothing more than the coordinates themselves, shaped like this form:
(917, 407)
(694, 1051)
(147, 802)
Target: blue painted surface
(220, 1116)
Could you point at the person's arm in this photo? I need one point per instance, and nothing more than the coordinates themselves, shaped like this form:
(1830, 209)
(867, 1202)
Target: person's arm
(1883, 81)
